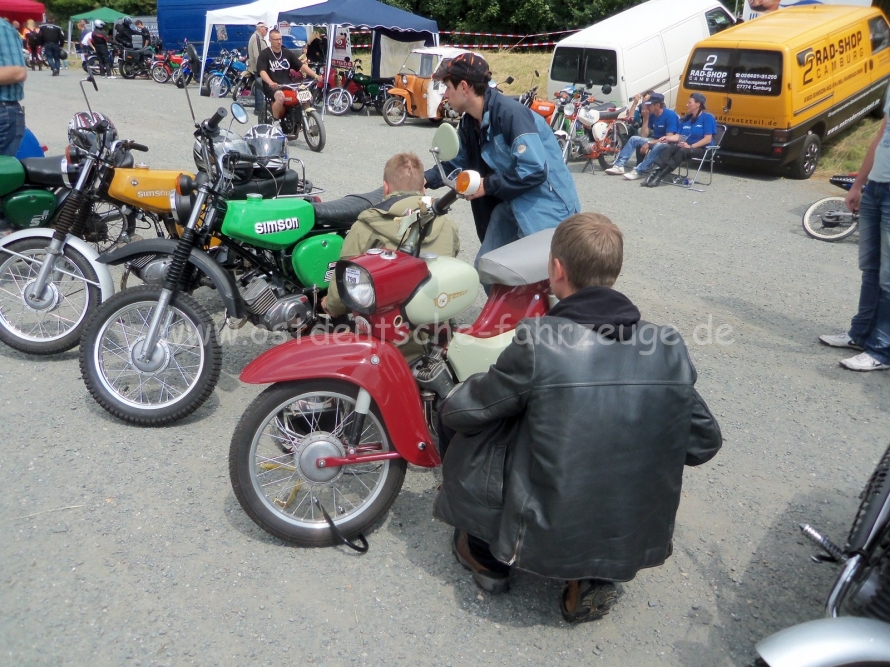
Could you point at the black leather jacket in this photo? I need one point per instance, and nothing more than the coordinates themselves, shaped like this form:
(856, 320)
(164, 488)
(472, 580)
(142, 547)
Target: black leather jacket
(570, 454)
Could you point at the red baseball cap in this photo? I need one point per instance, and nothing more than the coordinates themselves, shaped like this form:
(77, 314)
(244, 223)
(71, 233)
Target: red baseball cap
(465, 67)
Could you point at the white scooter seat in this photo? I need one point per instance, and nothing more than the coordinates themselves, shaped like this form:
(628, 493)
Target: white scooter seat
(523, 262)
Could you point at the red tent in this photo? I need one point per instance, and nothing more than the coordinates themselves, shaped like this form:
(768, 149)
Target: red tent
(22, 10)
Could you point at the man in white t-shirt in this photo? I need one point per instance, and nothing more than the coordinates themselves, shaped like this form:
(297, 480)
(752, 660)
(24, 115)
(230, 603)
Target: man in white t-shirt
(870, 195)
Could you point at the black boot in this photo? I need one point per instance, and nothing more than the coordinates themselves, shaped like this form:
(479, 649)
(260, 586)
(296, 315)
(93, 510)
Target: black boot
(657, 177)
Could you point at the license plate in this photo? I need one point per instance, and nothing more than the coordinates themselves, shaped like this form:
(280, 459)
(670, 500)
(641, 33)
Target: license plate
(304, 96)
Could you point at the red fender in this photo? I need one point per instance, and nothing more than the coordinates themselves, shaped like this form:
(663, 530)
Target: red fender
(374, 365)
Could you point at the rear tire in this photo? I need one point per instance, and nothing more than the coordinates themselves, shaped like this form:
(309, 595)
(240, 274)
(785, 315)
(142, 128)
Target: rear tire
(394, 111)
(273, 475)
(127, 71)
(829, 220)
(313, 130)
(808, 159)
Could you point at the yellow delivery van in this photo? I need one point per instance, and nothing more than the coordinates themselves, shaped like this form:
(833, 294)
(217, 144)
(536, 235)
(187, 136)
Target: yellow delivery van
(787, 81)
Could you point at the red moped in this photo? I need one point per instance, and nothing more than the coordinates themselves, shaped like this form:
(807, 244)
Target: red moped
(321, 455)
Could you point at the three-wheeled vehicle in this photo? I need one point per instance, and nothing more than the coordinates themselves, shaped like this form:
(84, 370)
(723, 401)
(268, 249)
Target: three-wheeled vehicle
(415, 93)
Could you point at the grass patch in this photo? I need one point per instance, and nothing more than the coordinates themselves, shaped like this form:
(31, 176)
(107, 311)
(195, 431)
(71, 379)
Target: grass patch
(844, 154)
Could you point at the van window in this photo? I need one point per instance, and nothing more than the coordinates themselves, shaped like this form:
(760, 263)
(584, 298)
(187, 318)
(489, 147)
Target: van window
(577, 65)
(718, 20)
(741, 71)
(880, 34)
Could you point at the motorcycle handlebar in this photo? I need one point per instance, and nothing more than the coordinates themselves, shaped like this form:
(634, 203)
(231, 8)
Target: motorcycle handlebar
(443, 203)
(132, 145)
(213, 122)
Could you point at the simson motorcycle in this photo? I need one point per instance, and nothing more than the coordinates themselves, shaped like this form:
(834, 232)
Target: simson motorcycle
(321, 455)
(357, 90)
(593, 129)
(150, 355)
(299, 114)
(164, 65)
(50, 279)
(861, 636)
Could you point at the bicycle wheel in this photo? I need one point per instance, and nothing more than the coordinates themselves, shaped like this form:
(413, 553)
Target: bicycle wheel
(829, 220)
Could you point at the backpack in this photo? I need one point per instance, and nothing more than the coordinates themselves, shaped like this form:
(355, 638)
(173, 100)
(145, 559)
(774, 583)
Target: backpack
(33, 38)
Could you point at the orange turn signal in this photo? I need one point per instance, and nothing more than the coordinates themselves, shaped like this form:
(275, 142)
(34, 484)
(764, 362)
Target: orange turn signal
(463, 182)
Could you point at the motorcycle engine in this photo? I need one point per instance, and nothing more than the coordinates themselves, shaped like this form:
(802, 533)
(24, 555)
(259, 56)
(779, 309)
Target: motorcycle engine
(448, 112)
(273, 312)
(150, 269)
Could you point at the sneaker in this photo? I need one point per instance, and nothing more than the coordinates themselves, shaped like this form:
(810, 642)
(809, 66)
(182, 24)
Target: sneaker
(493, 579)
(615, 170)
(864, 362)
(112, 76)
(632, 175)
(840, 340)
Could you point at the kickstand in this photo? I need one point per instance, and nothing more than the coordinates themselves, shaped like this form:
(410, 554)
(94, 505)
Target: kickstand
(363, 548)
(590, 164)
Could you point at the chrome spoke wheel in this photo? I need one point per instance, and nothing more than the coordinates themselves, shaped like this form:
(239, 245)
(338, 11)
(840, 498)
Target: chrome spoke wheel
(277, 469)
(54, 314)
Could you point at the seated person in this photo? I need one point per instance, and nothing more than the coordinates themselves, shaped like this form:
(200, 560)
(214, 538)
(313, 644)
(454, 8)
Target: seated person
(378, 227)
(633, 117)
(274, 65)
(569, 453)
(660, 126)
(697, 130)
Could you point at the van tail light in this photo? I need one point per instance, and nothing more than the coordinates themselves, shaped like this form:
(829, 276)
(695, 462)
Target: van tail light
(781, 136)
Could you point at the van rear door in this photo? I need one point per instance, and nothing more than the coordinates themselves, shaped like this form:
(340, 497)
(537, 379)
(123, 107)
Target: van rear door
(645, 68)
(677, 40)
(575, 64)
(742, 87)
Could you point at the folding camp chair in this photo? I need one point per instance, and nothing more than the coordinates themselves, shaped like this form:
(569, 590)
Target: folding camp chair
(708, 158)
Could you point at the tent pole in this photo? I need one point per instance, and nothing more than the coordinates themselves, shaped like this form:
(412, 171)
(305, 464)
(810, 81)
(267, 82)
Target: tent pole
(327, 72)
(69, 38)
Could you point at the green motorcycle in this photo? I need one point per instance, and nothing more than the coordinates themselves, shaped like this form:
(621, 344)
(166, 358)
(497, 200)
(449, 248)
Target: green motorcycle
(150, 355)
(357, 90)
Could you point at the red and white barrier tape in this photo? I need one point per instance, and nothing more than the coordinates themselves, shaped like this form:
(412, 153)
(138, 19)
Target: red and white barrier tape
(502, 46)
(498, 34)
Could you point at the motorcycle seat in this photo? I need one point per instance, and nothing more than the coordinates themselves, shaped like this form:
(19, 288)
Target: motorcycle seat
(387, 79)
(44, 171)
(523, 262)
(340, 214)
(610, 115)
(287, 183)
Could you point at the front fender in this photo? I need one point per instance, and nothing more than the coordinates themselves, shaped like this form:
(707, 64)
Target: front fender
(373, 365)
(400, 92)
(222, 280)
(828, 642)
(106, 283)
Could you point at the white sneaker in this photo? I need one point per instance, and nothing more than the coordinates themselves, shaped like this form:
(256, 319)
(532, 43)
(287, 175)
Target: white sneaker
(863, 362)
(632, 175)
(111, 77)
(840, 340)
(617, 170)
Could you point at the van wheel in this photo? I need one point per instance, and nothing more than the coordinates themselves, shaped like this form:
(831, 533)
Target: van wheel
(808, 159)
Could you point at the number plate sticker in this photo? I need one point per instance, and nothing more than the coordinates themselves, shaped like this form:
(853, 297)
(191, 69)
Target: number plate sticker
(304, 96)
(352, 276)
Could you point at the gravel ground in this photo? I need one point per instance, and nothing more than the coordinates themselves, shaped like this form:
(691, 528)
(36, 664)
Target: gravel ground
(126, 546)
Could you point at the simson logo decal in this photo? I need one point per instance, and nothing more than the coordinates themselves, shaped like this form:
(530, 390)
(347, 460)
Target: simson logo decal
(274, 226)
(153, 193)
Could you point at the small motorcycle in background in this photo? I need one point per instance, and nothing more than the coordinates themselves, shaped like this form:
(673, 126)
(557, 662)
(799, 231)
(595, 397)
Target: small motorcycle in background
(358, 90)
(299, 114)
(829, 219)
(861, 593)
(593, 129)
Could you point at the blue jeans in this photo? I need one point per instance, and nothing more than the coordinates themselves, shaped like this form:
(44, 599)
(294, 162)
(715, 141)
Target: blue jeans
(12, 127)
(870, 327)
(632, 145)
(51, 51)
(502, 229)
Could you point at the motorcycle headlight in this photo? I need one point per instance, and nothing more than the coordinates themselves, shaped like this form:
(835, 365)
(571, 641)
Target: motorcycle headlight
(356, 288)
(404, 80)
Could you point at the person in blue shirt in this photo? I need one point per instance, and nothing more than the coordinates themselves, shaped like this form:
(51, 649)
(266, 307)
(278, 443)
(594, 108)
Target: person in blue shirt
(697, 130)
(12, 89)
(660, 125)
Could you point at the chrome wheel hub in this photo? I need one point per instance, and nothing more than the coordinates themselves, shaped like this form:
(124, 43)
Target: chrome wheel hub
(318, 446)
(48, 300)
(158, 361)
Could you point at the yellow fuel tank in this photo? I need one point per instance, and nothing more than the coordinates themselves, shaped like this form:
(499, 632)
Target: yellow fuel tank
(148, 189)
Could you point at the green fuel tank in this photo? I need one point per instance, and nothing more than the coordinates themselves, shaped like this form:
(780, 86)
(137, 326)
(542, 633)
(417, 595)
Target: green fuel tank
(274, 224)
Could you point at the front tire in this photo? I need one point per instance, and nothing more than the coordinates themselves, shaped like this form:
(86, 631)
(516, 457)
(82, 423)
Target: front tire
(612, 145)
(313, 130)
(339, 101)
(218, 85)
(272, 463)
(160, 73)
(55, 325)
(808, 159)
(829, 220)
(394, 111)
(181, 374)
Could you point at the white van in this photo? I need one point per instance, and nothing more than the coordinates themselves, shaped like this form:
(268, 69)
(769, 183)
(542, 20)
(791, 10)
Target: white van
(642, 48)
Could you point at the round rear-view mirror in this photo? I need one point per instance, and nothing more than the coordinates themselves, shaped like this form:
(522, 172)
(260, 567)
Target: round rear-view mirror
(447, 141)
(606, 89)
(238, 113)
